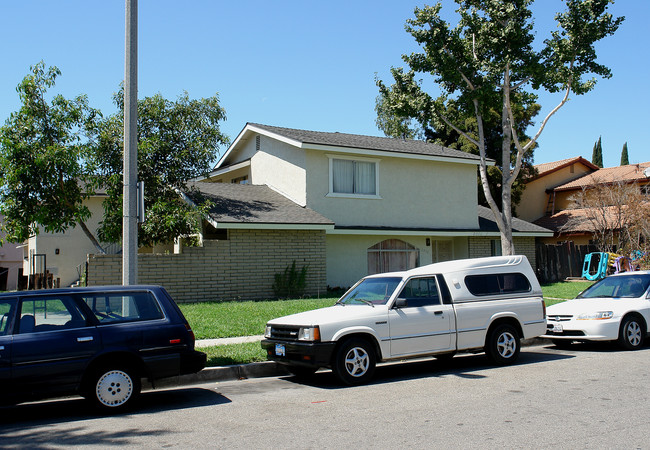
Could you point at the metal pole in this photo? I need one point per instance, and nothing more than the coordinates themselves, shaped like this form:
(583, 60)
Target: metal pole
(130, 204)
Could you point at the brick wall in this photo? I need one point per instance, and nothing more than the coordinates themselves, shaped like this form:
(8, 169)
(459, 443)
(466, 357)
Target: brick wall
(479, 247)
(240, 268)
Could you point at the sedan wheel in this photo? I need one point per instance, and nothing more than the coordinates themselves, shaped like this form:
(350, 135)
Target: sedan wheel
(632, 334)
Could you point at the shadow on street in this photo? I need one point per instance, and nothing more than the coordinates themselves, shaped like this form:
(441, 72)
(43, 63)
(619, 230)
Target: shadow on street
(25, 425)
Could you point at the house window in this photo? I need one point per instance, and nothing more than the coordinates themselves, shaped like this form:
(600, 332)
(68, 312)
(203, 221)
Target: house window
(392, 255)
(353, 177)
(495, 247)
(240, 180)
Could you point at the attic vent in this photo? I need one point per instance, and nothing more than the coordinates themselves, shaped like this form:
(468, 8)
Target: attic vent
(257, 143)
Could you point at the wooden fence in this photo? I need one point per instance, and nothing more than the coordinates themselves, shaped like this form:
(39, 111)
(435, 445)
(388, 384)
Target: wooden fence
(560, 261)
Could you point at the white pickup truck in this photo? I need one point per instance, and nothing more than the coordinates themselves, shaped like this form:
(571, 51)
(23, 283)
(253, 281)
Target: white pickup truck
(471, 305)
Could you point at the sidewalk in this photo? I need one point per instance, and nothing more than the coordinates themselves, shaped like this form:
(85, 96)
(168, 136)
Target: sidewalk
(225, 341)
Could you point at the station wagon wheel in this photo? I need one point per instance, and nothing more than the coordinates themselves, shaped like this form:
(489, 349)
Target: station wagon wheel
(503, 345)
(114, 388)
(632, 333)
(354, 362)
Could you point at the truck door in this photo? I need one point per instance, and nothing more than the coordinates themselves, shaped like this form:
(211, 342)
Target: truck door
(419, 321)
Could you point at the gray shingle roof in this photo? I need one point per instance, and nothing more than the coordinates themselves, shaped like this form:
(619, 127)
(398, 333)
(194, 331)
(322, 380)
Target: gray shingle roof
(486, 223)
(367, 142)
(245, 203)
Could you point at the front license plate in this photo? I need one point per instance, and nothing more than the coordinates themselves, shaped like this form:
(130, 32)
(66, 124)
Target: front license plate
(279, 350)
(557, 328)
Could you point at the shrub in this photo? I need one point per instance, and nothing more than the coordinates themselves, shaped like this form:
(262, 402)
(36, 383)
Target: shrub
(291, 283)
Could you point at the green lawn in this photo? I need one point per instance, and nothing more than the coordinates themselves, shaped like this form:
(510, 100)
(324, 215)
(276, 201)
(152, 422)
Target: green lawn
(211, 320)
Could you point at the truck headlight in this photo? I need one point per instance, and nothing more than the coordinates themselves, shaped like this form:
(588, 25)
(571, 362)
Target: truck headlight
(599, 315)
(267, 332)
(309, 334)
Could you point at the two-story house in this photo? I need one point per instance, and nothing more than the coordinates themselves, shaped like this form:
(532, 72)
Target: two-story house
(392, 204)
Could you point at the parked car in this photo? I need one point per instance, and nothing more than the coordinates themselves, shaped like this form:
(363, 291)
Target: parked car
(616, 308)
(96, 342)
(472, 305)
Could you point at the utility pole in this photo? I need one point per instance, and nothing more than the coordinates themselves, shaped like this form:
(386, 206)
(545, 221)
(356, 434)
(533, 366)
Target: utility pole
(130, 172)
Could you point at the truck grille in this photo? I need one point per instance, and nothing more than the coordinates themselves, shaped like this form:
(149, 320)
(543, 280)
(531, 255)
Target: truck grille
(287, 333)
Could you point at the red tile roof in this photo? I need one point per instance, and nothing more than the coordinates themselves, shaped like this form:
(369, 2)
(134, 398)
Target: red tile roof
(627, 174)
(546, 168)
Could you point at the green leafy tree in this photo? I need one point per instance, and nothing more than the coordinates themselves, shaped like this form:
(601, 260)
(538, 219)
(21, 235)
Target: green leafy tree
(625, 159)
(177, 140)
(42, 160)
(597, 153)
(487, 62)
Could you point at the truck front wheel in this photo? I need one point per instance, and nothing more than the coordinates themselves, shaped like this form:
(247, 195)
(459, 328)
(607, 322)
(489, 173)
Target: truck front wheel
(503, 345)
(354, 362)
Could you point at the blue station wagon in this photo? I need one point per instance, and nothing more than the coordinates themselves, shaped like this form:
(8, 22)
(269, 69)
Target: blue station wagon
(95, 342)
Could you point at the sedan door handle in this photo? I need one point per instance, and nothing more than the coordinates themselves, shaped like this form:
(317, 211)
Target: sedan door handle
(85, 339)
(438, 313)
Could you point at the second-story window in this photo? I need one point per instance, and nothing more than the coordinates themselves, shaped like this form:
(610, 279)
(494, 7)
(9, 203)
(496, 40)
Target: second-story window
(353, 177)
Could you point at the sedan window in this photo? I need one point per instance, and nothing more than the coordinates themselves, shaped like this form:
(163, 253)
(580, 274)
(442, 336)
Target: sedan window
(627, 286)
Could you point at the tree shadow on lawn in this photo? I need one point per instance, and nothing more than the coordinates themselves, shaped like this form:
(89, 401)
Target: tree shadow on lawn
(462, 366)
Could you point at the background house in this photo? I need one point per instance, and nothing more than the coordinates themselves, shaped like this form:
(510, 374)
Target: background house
(11, 264)
(572, 223)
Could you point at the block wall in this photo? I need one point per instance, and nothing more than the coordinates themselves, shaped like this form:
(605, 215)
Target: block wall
(479, 247)
(240, 268)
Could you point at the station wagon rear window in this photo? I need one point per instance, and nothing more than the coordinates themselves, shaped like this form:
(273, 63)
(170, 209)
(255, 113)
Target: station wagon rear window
(124, 307)
(496, 284)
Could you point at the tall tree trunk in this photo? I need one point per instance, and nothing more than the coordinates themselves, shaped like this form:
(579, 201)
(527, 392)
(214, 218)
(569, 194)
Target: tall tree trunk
(90, 236)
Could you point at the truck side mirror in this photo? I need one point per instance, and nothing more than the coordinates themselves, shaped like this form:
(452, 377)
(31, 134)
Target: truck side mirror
(401, 303)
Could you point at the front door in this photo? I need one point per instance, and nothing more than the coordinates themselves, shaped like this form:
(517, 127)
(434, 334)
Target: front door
(423, 324)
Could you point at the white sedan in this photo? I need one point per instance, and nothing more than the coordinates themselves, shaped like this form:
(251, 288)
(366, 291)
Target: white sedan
(616, 308)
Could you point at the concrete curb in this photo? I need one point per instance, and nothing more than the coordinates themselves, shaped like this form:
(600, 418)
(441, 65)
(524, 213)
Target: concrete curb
(259, 370)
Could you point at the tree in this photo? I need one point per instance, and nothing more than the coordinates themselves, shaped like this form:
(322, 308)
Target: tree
(597, 154)
(617, 213)
(398, 116)
(177, 140)
(625, 159)
(488, 59)
(42, 154)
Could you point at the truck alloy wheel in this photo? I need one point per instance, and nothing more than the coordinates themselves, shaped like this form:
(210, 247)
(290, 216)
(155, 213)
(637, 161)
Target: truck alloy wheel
(354, 362)
(503, 344)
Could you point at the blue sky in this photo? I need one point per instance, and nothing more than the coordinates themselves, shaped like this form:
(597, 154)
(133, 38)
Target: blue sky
(300, 64)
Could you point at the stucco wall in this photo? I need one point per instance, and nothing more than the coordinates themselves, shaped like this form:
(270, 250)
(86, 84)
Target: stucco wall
(73, 246)
(412, 193)
(535, 199)
(240, 268)
(282, 167)
(347, 255)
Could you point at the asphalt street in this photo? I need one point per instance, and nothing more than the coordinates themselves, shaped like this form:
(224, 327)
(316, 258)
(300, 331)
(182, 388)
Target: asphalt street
(592, 396)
